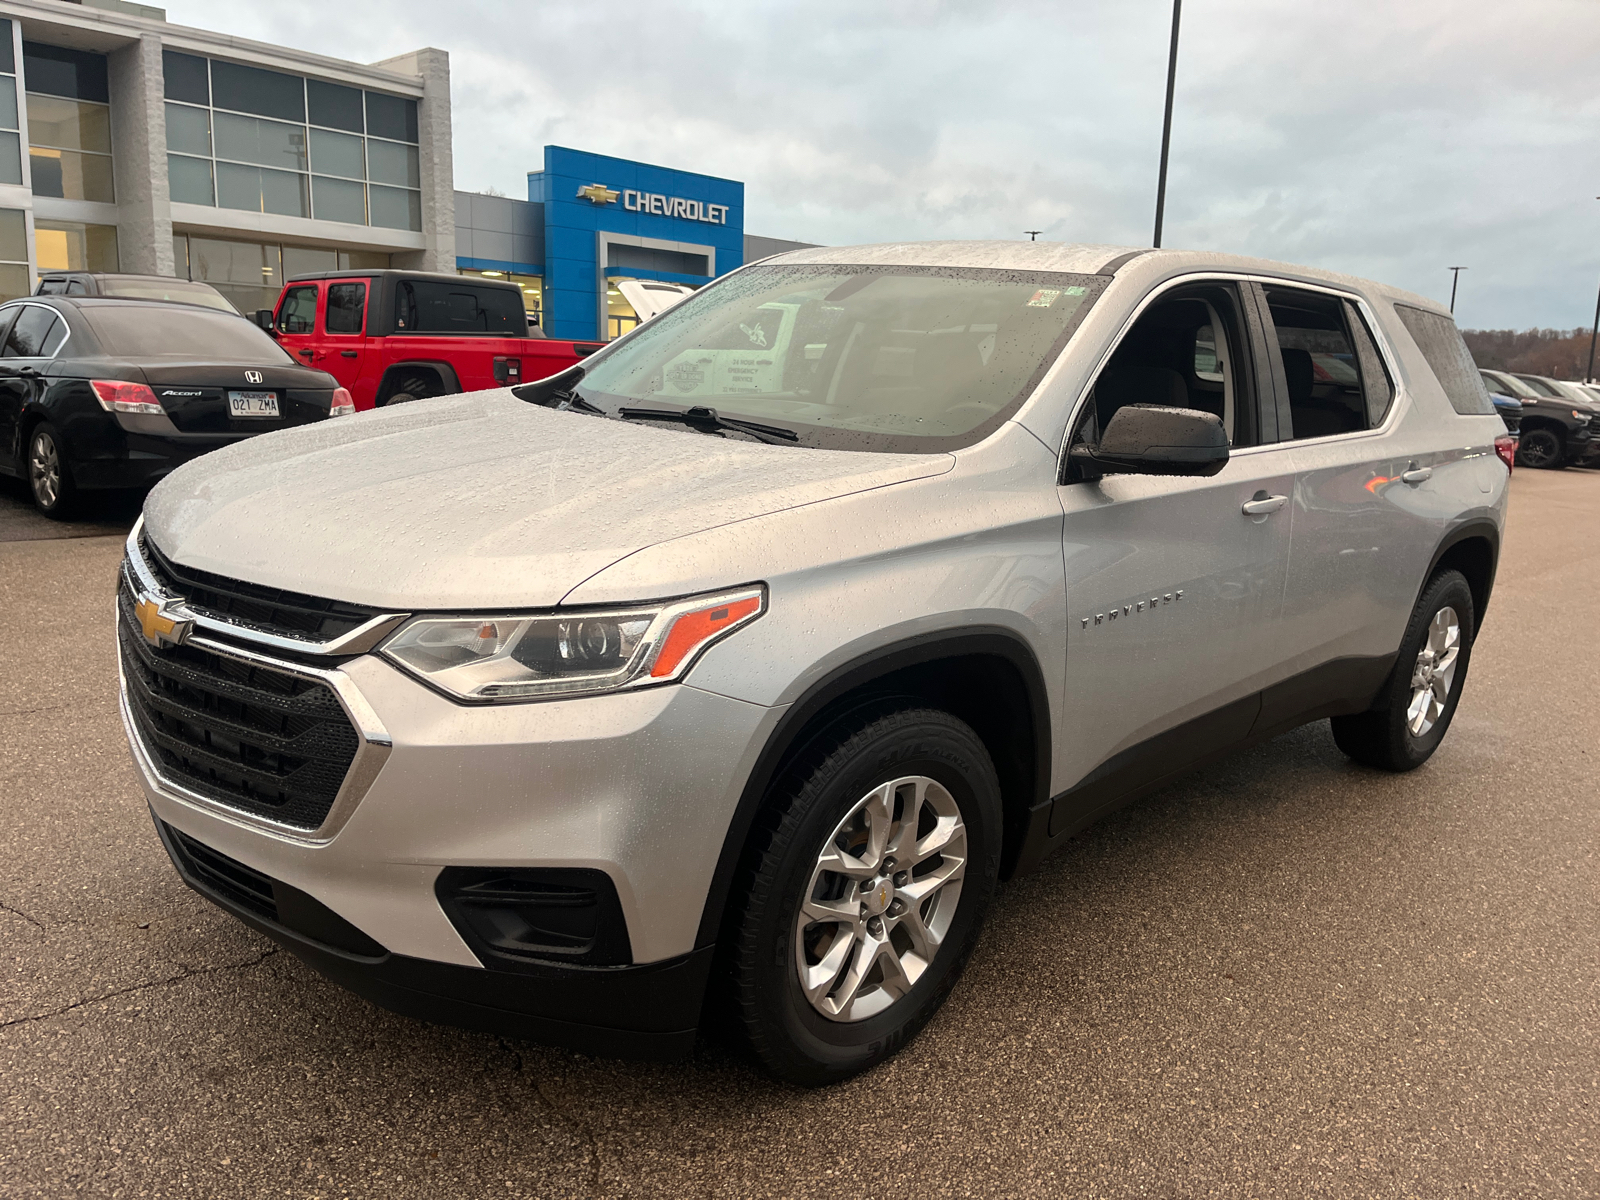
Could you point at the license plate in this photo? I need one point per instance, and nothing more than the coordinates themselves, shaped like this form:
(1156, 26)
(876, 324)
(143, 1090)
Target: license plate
(253, 404)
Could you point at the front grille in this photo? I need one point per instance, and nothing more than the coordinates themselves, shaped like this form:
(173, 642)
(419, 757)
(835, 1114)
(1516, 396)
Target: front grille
(257, 739)
(268, 609)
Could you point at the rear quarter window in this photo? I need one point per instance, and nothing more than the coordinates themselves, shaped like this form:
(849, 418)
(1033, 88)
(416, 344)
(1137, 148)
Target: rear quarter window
(1449, 359)
(428, 306)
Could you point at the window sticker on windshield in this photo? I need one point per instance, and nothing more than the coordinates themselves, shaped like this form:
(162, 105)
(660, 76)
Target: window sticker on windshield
(1045, 297)
(1077, 291)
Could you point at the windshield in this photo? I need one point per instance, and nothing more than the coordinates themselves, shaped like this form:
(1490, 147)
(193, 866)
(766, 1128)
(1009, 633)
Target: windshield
(899, 359)
(138, 332)
(181, 290)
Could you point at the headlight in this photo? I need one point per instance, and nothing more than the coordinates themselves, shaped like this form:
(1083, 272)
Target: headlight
(522, 657)
(1580, 418)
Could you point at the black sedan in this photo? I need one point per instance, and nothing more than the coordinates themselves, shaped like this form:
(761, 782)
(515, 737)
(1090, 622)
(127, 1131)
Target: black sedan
(102, 393)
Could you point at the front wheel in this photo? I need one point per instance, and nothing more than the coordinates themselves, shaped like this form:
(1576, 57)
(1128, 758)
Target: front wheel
(864, 893)
(1541, 449)
(1403, 729)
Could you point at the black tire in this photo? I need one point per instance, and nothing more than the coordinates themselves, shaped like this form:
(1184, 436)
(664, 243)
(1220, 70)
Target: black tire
(48, 473)
(792, 1038)
(1382, 737)
(400, 398)
(1541, 449)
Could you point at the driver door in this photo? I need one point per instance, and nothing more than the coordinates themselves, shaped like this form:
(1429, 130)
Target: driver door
(1174, 586)
(296, 322)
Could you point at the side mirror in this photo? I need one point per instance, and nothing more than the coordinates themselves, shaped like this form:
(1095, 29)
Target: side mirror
(1151, 439)
(263, 318)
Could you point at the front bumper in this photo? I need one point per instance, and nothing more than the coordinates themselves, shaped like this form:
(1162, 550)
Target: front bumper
(639, 785)
(646, 1011)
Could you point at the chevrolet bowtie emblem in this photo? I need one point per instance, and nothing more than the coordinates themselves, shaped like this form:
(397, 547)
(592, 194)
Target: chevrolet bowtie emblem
(598, 193)
(159, 627)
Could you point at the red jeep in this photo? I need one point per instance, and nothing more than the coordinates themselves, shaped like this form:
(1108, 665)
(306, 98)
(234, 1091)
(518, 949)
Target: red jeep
(390, 336)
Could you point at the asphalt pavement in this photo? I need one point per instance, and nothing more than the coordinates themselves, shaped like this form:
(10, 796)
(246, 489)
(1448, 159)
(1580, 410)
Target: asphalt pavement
(1284, 976)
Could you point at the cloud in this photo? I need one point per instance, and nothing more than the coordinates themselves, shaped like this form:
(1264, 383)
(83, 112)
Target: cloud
(1392, 141)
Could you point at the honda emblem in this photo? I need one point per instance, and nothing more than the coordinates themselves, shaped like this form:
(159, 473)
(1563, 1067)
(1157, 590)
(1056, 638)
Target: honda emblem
(254, 377)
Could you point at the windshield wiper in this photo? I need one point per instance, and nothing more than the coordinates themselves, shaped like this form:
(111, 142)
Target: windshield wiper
(706, 419)
(559, 392)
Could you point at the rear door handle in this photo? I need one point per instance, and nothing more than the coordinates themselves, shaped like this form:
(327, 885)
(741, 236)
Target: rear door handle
(307, 353)
(1263, 504)
(1416, 475)
(348, 354)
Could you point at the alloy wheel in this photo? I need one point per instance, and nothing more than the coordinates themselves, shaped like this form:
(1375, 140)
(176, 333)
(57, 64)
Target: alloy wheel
(1434, 671)
(881, 898)
(44, 470)
(1539, 449)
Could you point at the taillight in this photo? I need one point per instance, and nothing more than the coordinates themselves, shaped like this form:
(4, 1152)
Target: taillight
(344, 404)
(117, 395)
(1506, 447)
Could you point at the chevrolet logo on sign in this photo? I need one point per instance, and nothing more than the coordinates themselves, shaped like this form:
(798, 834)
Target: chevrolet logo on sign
(598, 193)
(159, 626)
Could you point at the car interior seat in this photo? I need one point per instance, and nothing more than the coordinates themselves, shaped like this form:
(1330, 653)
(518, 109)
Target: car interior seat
(1313, 417)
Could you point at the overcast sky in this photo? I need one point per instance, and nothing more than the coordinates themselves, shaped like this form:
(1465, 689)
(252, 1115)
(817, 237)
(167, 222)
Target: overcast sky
(1391, 140)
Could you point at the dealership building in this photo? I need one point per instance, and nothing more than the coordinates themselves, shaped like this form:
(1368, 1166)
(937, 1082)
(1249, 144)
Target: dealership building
(131, 144)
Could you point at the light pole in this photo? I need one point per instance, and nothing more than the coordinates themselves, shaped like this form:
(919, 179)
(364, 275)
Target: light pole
(1166, 123)
(1588, 376)
(1455, 278)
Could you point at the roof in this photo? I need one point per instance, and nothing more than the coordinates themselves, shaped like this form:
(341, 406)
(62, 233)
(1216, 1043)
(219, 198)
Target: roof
(1083, 259)
(387, 272)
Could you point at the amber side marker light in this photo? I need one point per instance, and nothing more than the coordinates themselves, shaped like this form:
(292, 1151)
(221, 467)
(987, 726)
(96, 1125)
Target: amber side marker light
(695, 630)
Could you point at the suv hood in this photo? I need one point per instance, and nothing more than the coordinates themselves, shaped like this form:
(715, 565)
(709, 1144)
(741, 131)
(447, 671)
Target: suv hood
(479, 501)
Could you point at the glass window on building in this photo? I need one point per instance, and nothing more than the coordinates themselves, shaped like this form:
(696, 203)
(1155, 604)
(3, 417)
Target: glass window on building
(69, 122)
(532, 290)
(265, 141)
(10, 128)
(74, 246)
(251, 274)
(14, 280)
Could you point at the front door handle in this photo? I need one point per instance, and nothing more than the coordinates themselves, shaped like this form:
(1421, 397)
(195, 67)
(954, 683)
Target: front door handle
(1416, 474)
(1263, 504)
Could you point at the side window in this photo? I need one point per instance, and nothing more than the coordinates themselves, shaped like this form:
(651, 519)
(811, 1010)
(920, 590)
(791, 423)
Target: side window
(347, 304)
(1376, 386)
(1448, 357)
(1189, 349)
(424, 306)
(1536, 385)
(28, 336)
(75, 288)
(298, 312)
(52, 287)
(1320, 365)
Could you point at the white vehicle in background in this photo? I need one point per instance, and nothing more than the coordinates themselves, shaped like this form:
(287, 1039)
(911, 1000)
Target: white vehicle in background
(651, 297)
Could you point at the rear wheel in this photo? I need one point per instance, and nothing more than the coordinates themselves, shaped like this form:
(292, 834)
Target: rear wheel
(1414, 710)
(864, 894)
(49, 478)
(1540, 448)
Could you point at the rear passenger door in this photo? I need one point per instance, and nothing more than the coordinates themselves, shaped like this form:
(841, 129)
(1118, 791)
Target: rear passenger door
(1174, 586)
(30, 342)
(1365, 509)
(344, 334)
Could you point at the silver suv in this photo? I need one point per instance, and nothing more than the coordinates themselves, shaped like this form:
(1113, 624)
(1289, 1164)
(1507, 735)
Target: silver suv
(733, 669)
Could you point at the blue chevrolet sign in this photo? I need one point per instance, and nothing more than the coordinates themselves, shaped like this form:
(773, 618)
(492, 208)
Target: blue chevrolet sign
(608, 218)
